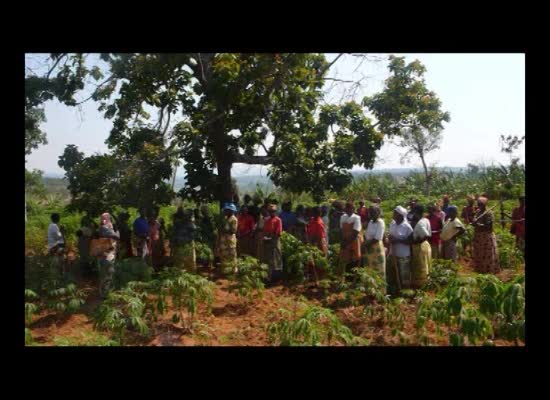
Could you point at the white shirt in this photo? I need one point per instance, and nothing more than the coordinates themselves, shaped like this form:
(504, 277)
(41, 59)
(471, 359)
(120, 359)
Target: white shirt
(422, 229)
(401, 232)
(375, 230)
(351, 219)
(54, 236)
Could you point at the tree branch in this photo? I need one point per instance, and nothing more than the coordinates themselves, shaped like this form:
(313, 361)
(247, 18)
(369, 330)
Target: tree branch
(332, 63)
(55, 65)
(243, 158)
(97, 87)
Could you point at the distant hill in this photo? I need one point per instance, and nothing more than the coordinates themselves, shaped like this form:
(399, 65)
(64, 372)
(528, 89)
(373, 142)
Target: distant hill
(55, 183)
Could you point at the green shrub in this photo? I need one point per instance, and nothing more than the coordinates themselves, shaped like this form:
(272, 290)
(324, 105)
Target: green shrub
(248, 281)
(85, 339)
(131, 269)
(313, 326)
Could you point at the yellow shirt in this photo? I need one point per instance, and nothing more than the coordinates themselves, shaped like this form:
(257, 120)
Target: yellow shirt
(450, 229)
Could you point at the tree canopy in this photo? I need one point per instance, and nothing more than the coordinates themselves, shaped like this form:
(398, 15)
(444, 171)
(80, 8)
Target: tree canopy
(248, 108)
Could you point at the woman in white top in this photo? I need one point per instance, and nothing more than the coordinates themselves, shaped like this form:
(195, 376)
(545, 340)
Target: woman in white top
(350, 243)
(421, 249)
(400, 236)
(56, 242)
(374, 235)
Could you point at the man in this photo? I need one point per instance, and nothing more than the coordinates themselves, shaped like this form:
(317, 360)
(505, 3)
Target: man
(363, 213)
(141, 234)
(350, 242)
(518, 224)
(56, 241)
(271, 246)
(288, 218)
(399, 268)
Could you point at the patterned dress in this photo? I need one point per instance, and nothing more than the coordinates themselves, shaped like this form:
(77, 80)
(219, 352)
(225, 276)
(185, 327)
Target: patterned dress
(350, 253)
(485, 245)
(421, 261)
(227, 241)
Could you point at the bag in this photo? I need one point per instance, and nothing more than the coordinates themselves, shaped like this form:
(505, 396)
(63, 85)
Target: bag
(98, 247)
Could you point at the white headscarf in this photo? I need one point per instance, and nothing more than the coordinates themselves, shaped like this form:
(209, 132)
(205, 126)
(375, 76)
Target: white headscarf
(401, 210)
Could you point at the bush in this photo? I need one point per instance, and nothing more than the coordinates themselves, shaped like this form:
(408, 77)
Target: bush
(248, 281)
(442, 272)
(313, 326)
(131, 269)
(85, 339)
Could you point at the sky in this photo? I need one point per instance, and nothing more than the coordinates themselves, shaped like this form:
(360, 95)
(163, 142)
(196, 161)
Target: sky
(484, 93)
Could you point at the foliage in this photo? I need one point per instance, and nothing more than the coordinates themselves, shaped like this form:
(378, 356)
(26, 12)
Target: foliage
(297, 256)
(33, 183)
(508, 253)
(312, 326)
(85, 339)
(478, 309)
(122, 310)
(186, 291)
(29, 341)
(248, 279)
(131, 269)
(441, 273)
(203, 252)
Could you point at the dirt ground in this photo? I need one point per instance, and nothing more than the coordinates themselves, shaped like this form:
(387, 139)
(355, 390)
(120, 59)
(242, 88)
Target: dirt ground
(230, 322)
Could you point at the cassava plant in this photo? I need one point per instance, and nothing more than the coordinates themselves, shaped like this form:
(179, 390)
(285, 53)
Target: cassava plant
(248, 279)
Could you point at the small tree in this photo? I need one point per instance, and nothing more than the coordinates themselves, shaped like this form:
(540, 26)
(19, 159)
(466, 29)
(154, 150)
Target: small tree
(407, 109)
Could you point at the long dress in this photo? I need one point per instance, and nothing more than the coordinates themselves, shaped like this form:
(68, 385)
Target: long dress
(376, 253)
(421, 254)
(271, 249)
(245, 233)
(448, 244)
(227, 242)
(350, 253)
(183, 245)
(485, 246)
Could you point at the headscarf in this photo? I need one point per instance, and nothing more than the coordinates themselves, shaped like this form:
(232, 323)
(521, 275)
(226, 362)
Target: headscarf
(452, 208)
(230, 206)
(106, 220)
(483, 200)
(401, 210)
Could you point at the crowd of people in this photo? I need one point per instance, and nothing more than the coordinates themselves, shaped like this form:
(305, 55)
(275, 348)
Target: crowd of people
(402, 253)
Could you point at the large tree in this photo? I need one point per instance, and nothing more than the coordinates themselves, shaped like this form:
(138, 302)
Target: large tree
(408, 110)
(240, 108)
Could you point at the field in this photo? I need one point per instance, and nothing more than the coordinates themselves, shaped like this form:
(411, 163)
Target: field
(212, 308)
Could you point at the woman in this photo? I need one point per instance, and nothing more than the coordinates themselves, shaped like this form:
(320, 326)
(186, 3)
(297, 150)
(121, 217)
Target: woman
(400, 235)
(452, 229)
(155, 243)
(421, 249)
(84, 236)
(245, 233)
(485, 243)
(125, 236)
(335, 215)
(182, 244)
(259, 232)
(107, 258)
(227, 241)
(350, 243)
(436, 224)
(271, 246)
(301, 224)
(316, 236)
(324, 217)
(374, 236)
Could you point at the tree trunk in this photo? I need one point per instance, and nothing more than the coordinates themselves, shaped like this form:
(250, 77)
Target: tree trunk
(225, 194)
(427, 175)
